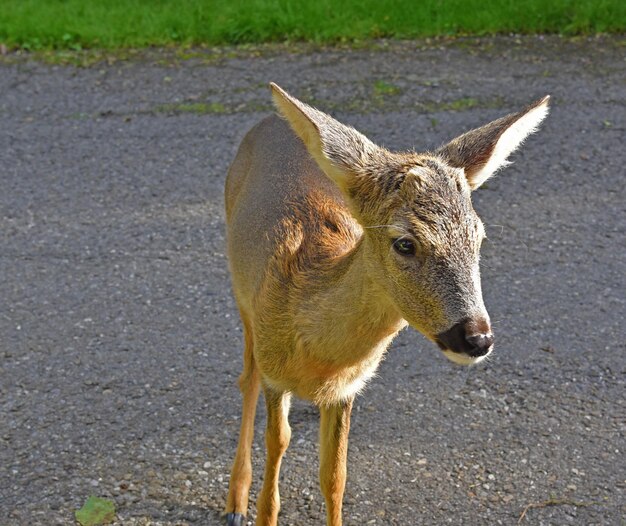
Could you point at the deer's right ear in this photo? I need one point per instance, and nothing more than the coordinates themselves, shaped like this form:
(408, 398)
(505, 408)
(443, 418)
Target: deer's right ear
(339, 150)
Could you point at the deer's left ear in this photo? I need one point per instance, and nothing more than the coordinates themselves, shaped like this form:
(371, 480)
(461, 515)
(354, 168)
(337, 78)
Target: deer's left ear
(481, 152)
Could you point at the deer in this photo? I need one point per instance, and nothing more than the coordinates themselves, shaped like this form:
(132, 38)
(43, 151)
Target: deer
(334, 245)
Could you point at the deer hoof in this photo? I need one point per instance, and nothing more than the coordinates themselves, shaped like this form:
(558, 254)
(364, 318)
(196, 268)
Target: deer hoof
(235, 519)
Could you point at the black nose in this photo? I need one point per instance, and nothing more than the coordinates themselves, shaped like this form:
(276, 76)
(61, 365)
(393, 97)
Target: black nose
(480, 342)
(470, 337)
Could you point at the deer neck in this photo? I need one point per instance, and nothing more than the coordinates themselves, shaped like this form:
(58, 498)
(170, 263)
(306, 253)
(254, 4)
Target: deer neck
(351, 313)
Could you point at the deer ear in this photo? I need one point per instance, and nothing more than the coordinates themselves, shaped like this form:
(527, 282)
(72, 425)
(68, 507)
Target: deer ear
(339, 150)
(483, 151)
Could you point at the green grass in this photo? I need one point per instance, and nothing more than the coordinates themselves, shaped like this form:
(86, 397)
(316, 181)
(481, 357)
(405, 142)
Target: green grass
(110, 24)
(200, 108)
(382, 88)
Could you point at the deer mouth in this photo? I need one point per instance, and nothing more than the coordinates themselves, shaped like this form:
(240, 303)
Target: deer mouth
(463, 359)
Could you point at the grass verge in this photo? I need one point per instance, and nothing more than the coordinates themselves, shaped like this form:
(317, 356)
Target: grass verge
(112, 24)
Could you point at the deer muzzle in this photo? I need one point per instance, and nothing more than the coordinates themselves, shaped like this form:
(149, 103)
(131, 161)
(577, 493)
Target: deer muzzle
(467, 341)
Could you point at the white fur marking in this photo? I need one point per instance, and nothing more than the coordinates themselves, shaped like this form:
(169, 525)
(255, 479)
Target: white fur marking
(464, 359)
(418, 171)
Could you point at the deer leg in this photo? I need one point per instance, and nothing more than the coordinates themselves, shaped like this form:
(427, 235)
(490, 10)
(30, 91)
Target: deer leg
(277, 436)
(241, 473)
(334, 429)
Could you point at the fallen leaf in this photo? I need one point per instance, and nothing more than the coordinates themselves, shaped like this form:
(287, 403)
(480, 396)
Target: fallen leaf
(95, 512)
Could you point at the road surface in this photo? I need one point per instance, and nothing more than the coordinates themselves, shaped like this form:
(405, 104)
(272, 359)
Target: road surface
(120, 342)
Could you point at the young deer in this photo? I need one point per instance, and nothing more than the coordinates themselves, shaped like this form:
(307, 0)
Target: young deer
(336, 244)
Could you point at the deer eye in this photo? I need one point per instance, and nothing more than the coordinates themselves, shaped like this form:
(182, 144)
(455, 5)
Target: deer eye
(404, 246)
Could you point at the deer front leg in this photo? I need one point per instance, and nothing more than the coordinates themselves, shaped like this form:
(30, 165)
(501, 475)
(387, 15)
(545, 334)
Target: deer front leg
(334, 429)
(277, 436)
(241, 473)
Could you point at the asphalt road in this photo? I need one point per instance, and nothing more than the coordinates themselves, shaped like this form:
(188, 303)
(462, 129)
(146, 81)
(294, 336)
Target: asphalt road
(119, 340)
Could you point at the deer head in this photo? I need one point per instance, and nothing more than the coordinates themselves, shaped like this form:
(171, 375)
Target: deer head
(421, 235)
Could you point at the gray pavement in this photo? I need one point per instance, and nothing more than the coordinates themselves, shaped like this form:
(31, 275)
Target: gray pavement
(120, 343)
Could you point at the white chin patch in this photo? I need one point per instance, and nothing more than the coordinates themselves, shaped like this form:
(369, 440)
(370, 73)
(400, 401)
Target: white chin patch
(464, 359)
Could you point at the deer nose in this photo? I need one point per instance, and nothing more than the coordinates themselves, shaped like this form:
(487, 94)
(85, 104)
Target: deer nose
(469, 337)
(480, 343)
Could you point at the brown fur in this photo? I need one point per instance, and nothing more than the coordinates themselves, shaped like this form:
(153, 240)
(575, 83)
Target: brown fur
(312, 220)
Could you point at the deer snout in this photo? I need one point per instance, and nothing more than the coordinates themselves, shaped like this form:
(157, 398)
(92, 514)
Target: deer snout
(467, 342)
(479, 343)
